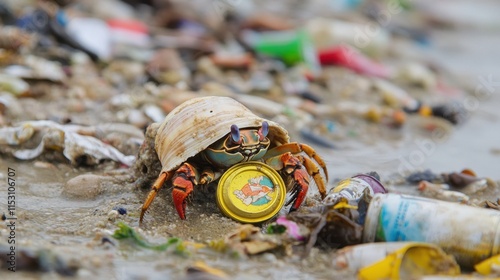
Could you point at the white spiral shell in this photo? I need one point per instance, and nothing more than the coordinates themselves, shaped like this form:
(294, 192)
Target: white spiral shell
(199, 122)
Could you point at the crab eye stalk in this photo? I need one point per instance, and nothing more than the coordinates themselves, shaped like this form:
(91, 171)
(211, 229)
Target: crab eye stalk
(263, 131)
(235, 134)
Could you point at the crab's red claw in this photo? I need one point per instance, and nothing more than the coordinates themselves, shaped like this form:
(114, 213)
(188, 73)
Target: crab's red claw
(299, 191)
(180, 193)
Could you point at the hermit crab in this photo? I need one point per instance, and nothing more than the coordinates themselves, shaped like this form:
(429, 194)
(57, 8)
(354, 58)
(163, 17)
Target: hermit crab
(203, 137)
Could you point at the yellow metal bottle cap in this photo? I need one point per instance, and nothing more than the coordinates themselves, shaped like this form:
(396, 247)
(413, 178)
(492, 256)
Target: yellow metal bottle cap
(251, 192)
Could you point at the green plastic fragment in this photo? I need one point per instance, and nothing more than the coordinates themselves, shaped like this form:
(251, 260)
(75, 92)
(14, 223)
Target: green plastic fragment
(276, 229)
(126, 232)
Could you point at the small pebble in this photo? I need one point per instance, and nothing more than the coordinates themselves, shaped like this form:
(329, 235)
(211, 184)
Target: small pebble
(454, 112)
(261, 81)
(112, 215)
(44, 165)
(86, 186)
(270, 258)
(121, 210)
(75, 106)
(417, 177)
(310, 96)
(84, 273)
(137, 118)
(105, 240)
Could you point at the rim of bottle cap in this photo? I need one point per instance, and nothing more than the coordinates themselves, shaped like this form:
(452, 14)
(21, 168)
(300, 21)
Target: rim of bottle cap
(251, 192)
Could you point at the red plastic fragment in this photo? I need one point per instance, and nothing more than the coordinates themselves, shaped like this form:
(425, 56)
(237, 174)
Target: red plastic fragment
(346, 56)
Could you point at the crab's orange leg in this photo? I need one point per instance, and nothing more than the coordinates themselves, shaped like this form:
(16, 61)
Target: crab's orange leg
(313, 171)
(158, 184)
(296, 148)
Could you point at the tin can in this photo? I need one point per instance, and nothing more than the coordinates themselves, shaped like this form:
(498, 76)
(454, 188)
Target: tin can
(353, 189)
(469, 233)
(251, 192)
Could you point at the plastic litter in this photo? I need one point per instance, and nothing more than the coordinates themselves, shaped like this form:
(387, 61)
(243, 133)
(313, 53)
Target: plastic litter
(94, 34)
(290, 46)
(346, 56)
(412, 261)
(395, 96)
(468, 233)
(276, 58)
(326, 33)
(490, 266)
(129, 32)
(441, 192)
(416, 74)
(348, 193)
(395, 260)
(126, 232)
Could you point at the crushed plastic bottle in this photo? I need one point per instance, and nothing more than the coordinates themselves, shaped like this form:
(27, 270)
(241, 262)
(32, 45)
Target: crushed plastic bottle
(469, 233)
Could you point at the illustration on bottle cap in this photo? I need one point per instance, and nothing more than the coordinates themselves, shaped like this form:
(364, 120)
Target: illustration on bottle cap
(251, 192)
